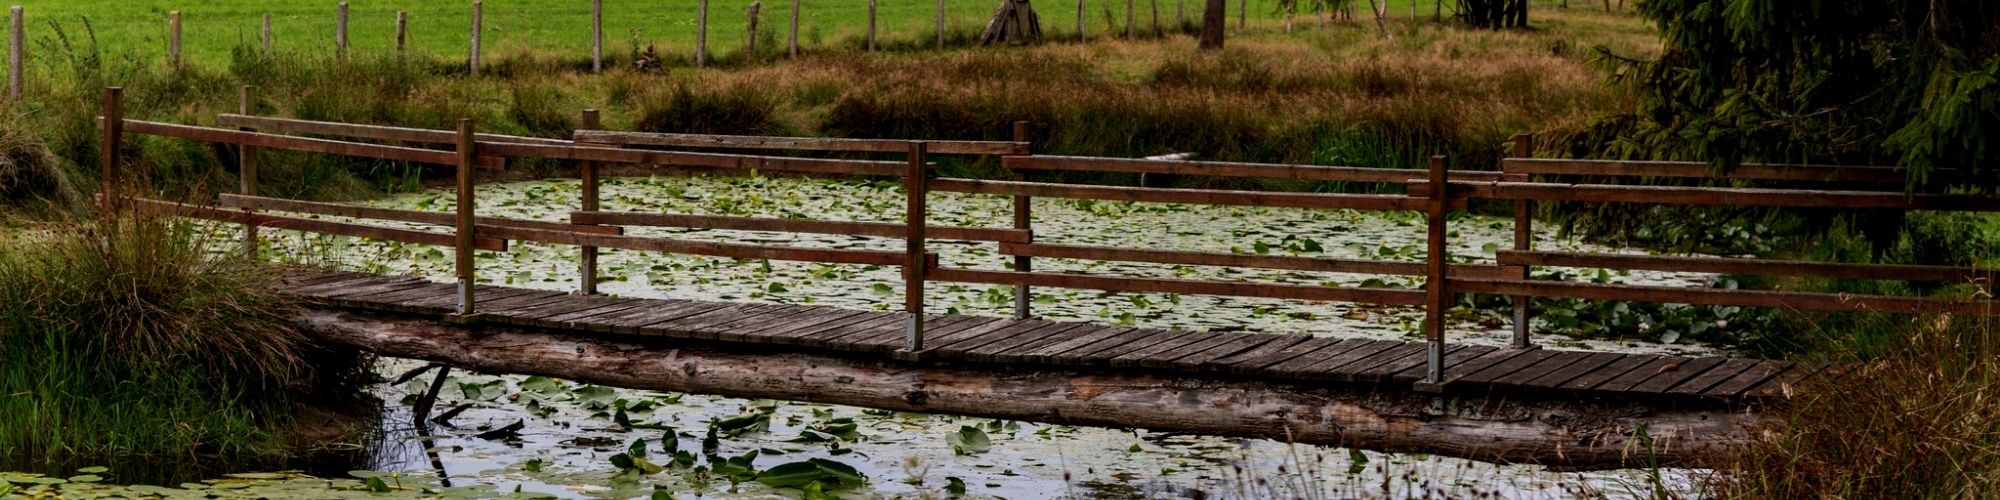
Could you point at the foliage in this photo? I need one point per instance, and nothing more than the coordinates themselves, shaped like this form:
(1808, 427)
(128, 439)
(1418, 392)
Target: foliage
(124, 335)
(1902, 82)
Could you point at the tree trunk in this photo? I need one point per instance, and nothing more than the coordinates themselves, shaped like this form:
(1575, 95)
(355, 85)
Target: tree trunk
(1214, 19)
(1556, 432)
(1381, 11)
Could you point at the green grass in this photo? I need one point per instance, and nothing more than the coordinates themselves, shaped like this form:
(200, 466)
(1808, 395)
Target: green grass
(212, 28)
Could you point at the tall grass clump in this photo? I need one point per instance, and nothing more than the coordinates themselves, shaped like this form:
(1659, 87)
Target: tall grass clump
(127, 336)
(1917, 420)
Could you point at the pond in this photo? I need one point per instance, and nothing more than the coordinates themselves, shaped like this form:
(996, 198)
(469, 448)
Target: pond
(536, 436)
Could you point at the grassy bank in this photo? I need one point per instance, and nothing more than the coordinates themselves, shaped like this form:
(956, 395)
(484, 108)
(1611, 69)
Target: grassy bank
(127, 337)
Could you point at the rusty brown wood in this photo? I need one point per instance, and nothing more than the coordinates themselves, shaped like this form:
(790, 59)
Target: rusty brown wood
(363, 131)
(1716, 196)
(1227, 169)
(399, 215)
(1378, 202)
(1761, 267)
(695, 247)
(848, 228)
(1165, 285)
(1322, 264)
(314, 225)
(584, 152)
(1747, 171)
(1724, 297)
(1736, 386)
(796, 143)
(291, 143)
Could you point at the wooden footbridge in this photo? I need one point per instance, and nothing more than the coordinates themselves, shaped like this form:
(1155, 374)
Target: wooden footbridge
(907, 337)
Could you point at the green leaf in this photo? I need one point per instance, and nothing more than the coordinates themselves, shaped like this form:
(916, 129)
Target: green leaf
(968, 440)
(954, 485)
(810, 472)
(375, 485)
(1356, 461)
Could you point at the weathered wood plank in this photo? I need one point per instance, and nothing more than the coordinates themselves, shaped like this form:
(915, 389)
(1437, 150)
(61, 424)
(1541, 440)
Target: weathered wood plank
(1485, 377)
(1254, 362)
(798, 334)
(1724, 297)
(1167, 285)
(1352, 349)
(988, 353)
(1382, 372)
(1594, 378)
(1322, 264)
(1759, 267)
(1453, 361)
(796, 143)
(1556, 378)
(1728, 369)
(848, 228)
(1660, 382)
(1080, 354)
(1237, 344)
(399, 215)
(1699, 170)
(1164, 359)
(1133, 358)
(1226, 169)
(1376, 202)
(1560, 360)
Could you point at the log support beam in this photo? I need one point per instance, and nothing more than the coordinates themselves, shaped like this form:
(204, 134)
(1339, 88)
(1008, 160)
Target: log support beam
(1565, 433)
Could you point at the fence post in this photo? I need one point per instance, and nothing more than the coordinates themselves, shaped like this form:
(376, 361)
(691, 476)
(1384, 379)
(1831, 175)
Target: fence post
(795, 29)
(402, 30)
(750, 48)
(340, 29)
(174, 39)
(871, 25)
(467, 231)
(1128, 19)
(1154, 6)
(916, 189)
(596, 36)
(1438, 299)
(1242, 14)
(1081, 35)
(1023, 220)
(478, 10)
(1180, 14)
(701, 34)
(940, 24)
(113, 129)
(590, 204)
(246, 166)
(1524, 240)
(267, 35)
(15, 34)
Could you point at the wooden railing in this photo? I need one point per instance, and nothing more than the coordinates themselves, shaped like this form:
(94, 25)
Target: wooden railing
(1436, 192)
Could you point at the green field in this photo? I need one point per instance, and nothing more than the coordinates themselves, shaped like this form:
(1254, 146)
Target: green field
(212, 28)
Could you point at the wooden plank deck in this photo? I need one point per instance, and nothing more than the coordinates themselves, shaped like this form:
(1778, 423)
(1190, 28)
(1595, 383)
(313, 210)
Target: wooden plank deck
(973, 340)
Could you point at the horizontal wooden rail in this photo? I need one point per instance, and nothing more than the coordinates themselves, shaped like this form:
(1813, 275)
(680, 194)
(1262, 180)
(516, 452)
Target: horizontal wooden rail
(377, 132)
(399, 215)
(1321, 264)
(303, 144)
(1760, 267)
(1380, 202)
(1229, 169)
(1163, 285)
(1721, 297)
(1697, 170)
(797, 143)
(1714, 196)
(686, 159)
(708, 248)
(487, 242)
(849, 228)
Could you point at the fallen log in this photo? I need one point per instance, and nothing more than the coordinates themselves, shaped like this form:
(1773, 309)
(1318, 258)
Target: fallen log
(1569, 434)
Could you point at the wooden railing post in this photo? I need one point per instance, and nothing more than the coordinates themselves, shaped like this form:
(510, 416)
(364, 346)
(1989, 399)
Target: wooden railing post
(266, 35)
(588, 271)
(402, 30)
(113, 128)
(1023, 220)
(1524, 240)
(940, 24)
(795, 29)
(916, 188)
(750, 47)
(467, 231)
(1438, 299)
(246, 166)
(1081, 35)
(871, 25)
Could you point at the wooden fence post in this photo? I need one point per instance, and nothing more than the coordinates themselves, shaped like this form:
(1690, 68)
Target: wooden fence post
(1154, 5)
(246, 165)
(1023, 220)
(1438, 299)
(340, 29)
(940, 24)
(113, 128)
(1180, 14)
(1081, 35)
(916, 189)
(1243, 14)
(591, 203)
(174, 39)
(478, 9)
(467, 230)
(15, 35)
(402, 30)
(1524, 240)
(267, 35)
(795, 29)
(871, 25)
(750, 48)
(596, 36)
(701, 34)
(1128, 19)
